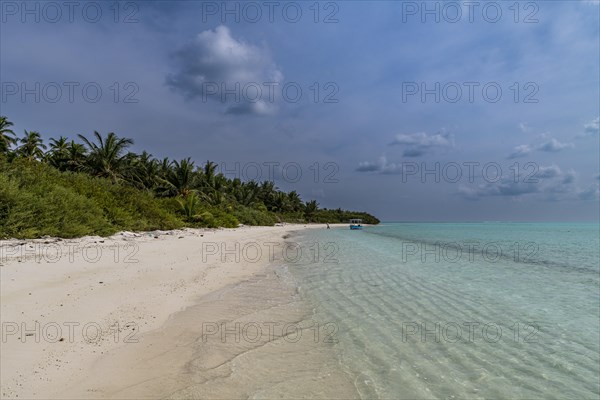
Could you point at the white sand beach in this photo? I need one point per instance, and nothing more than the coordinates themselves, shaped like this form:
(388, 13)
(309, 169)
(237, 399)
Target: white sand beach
(140, 316)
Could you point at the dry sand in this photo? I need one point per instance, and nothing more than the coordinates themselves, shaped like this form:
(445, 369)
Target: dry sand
(180, 314)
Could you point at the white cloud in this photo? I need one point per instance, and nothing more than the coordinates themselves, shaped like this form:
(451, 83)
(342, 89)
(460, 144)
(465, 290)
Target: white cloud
(215, 63)
(553, 146)
(382, 166)
(520, 151)
(551, 171)
(550, 146)
(417, 144)
(422, 139)
(524, 127)
(593, 127)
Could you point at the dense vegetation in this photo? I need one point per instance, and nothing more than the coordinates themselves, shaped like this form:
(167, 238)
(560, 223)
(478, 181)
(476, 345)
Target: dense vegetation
(74, 188)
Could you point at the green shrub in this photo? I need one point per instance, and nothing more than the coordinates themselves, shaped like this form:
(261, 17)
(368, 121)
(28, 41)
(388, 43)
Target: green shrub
(250, 216)
(37, 200)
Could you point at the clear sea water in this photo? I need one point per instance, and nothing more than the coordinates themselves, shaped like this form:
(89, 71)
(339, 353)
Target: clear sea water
(446, 310)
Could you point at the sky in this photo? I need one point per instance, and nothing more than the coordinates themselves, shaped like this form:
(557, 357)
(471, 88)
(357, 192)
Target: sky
(413, 111)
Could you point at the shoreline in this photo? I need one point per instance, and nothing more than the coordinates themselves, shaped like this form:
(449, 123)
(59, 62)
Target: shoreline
(69, 321)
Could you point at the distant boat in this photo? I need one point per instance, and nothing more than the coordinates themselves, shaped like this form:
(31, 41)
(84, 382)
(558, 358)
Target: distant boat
(356, 223)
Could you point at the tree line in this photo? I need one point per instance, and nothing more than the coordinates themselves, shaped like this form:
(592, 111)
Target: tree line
(193, 187)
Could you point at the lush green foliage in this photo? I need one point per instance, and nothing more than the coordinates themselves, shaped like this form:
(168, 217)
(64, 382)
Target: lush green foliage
(342, 216)
(97, 187)
(38, 200)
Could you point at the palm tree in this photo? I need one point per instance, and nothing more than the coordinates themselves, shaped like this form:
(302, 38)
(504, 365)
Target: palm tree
(106, 157)
(180, 178)
(295, 201)
(281, 202)
(220, 183)
(7, 136)
(143, 171)
(164, 167)
(59, 153)
(267, 194)
(188, 205)
(235, 186)
(32, 146)
(310, 209)
(245, 194)
(195, 187)
(209, 174)
(76, 156)
(214, 198)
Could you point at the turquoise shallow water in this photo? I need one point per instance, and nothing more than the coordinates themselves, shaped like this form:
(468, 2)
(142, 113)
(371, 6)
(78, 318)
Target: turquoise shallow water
(474, 310)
